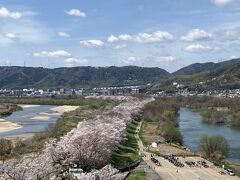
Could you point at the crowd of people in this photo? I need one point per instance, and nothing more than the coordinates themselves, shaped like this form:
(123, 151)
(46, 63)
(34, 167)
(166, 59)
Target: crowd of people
(155, 161)
(174, 160)
(197, 164)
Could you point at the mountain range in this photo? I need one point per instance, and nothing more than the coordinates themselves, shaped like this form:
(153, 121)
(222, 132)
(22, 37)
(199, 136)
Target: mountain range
(78, 77)
(206, 75)
(204, 67)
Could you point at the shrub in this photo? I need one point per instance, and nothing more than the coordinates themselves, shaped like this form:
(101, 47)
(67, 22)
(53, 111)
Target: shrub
(213, 117)
(171, 133)
(235, 120)
(214, 146)
(5, 148)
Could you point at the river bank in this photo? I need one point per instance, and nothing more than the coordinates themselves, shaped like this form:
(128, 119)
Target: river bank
(6, 110)
(164, 111)
(36, 113)
(28, 121)
(193, 128)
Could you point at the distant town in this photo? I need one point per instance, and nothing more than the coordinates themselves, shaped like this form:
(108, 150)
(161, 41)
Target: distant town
(102, 91)
(116, 91)
(231, 93)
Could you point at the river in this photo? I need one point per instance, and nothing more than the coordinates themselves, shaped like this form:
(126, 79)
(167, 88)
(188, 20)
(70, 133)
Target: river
(30, 125)
(192, 128)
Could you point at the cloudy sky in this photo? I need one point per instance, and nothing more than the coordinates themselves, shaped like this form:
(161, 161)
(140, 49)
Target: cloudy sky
(168, 34)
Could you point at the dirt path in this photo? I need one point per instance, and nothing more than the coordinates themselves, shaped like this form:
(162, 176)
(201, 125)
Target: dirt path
(148, 168)
(168, 171)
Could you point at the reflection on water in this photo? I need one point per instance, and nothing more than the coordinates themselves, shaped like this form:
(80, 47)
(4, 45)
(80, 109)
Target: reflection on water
(30, 125)
(192, 128)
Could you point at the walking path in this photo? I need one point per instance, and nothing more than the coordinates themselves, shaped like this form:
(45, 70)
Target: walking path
(149, 169)
(167, 171)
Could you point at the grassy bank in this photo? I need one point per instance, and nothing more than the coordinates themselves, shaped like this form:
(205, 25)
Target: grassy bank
(138, 175)
(165, 115)
(127, 152)
(57, 101)
(142, 136)
(8, 109)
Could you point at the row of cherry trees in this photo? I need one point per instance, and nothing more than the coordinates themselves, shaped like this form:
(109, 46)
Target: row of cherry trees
(90, 145)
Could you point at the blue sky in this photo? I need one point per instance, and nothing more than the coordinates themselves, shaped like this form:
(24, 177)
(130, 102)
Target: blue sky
(168, 34)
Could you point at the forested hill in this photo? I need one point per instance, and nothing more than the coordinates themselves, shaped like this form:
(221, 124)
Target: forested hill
(206, 67)
(76, 77)
(206, 76)
(213, 75)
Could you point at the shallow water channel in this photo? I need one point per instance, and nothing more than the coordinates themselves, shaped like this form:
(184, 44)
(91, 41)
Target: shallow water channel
(192, 128)
(30, 125)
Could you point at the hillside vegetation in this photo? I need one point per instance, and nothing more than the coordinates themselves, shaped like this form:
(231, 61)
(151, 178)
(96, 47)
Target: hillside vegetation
(199, 76)
(205, 67)
(206, 76)
(76, 77)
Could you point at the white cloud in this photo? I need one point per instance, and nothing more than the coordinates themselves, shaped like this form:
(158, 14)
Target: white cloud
(198, 48)
(63, 34)
(112, 39)
(92, 43)
(158, 36)
(222, 3)
(196, 35)
(4, 12)
(121, 37)
(11, 36)
(76, 12)
(54, 54)
(124, 37)
(69, 59)
(129, 60)
(75, 61)
(166, 59)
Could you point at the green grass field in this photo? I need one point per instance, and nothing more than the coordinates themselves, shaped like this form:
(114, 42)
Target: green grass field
(142, 137)
(138, 175)
(127, 152)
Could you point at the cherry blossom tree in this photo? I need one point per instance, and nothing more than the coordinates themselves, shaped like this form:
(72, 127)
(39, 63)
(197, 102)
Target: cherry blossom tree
(89, 145)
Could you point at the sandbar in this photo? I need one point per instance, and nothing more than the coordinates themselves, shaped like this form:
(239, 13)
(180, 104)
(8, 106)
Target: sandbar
(49, 113)
(6, 126)
(40, 118)
(63, 109)
(28, 105)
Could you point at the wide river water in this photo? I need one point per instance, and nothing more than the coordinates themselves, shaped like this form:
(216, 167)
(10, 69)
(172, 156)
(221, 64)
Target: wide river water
(192, 128)
(24, 118)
